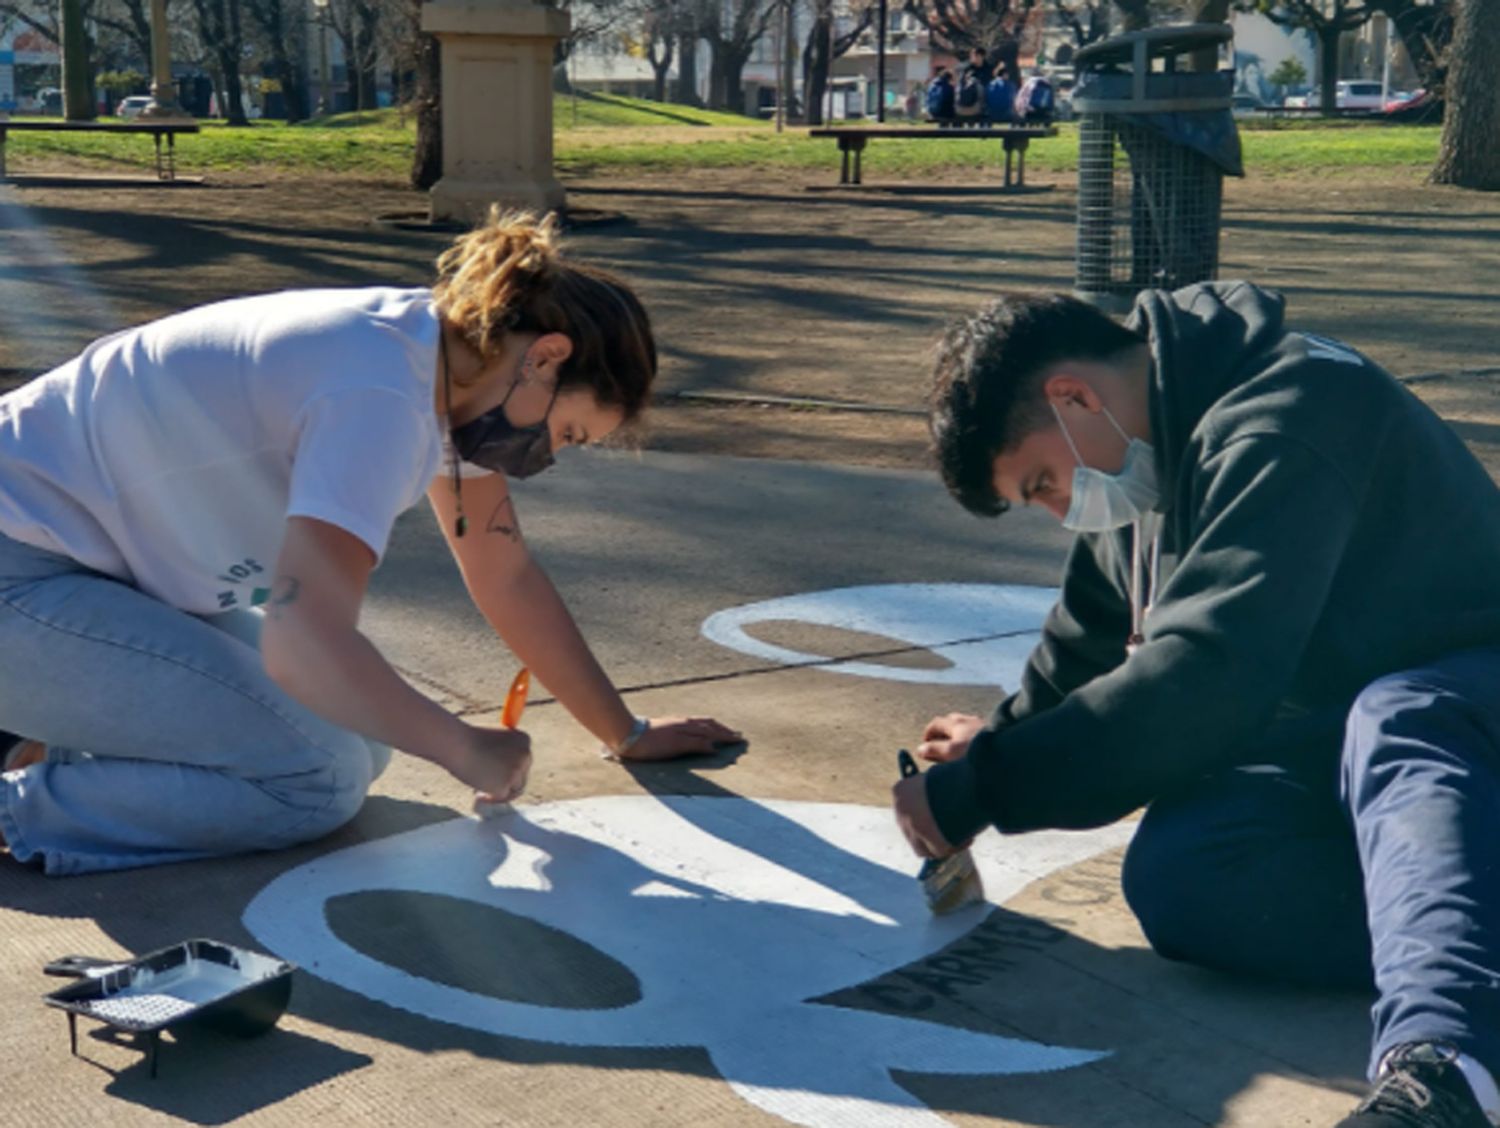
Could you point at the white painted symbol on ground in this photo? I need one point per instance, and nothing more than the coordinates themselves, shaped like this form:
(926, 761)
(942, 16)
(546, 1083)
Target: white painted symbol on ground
(927, 615)
(730, 913)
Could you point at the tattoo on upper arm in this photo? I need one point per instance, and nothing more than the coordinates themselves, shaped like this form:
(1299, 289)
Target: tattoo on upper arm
(503, 520)
(284, 592)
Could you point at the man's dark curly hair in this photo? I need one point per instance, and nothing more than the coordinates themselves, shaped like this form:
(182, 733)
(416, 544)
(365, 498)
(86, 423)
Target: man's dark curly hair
(986, 383)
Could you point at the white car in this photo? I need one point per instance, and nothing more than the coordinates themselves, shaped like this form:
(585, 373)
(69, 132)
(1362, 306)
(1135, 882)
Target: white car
(1349, 94)
(132, 106)
(1359, 95)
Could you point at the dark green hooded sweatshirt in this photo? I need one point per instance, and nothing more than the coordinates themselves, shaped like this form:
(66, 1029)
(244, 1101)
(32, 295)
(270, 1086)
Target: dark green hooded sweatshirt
(1321, 527)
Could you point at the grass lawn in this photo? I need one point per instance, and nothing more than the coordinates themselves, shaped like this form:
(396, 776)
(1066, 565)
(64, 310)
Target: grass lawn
(600, 132)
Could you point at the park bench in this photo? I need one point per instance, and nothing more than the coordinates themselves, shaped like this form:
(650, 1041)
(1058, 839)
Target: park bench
(852, 141)
(166, 166)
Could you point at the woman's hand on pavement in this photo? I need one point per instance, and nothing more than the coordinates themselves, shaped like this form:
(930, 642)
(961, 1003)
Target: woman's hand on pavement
(670, 737)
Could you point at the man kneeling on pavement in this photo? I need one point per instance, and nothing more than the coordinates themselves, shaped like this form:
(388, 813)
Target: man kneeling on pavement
(1279, 632)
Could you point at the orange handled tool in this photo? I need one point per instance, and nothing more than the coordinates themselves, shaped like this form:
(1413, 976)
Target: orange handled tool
(515, 700)
(510, 717)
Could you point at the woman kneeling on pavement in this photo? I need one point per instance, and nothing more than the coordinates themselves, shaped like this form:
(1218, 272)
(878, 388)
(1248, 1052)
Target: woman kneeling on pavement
(189, 515)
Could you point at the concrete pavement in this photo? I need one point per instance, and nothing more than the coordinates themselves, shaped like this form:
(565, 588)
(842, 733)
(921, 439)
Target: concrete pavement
(735, 940)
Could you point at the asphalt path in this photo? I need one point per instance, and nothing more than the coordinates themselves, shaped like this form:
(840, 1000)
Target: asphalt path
(645, 547)
(735, 939)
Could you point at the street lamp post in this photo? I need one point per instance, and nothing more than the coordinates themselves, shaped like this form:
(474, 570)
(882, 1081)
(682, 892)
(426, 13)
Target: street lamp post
(323, 105)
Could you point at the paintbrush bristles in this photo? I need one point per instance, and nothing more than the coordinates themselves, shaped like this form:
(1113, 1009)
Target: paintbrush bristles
(951, 883)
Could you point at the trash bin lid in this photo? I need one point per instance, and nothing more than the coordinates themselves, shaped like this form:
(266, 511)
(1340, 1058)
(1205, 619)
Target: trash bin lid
(1159, 43)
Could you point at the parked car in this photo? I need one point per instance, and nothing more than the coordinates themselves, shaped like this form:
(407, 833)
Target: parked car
(1349, 94)
(1359, 95)
(1422, 107)
(1400, 99)
(132, 106)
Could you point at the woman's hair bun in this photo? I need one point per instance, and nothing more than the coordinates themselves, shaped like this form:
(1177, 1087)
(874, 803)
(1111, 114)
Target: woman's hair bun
(529, 244)
(511, 276)
(492, 274)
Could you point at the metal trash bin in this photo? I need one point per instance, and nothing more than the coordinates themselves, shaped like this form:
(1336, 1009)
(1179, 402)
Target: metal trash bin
(1153, 149)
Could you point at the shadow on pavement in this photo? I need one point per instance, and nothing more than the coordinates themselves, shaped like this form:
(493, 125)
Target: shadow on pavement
(260, 1073)
(1000, 1005)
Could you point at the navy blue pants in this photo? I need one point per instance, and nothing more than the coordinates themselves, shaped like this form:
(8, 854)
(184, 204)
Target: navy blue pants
(1384, 872)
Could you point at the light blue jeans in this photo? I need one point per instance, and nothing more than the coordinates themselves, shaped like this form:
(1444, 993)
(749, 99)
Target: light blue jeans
(166, 741)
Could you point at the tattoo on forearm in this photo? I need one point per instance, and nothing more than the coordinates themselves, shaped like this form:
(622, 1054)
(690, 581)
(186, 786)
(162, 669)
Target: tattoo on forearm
(503, 520)
(284, 593)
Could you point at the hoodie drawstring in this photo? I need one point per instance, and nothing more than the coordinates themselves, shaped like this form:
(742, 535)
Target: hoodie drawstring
(1142, 598)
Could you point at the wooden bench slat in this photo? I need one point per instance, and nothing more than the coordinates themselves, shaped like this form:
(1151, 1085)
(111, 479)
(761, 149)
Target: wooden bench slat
(946, 132)
(101, 127)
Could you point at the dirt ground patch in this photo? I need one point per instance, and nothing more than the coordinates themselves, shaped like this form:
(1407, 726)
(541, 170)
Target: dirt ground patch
(774, 286)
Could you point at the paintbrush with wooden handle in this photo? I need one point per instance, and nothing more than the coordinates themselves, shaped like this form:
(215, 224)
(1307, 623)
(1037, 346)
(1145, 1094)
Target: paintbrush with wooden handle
(948, 883)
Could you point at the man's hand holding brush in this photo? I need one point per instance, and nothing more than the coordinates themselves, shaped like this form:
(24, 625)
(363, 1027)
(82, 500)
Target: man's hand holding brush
(914, 817)
(945, 738)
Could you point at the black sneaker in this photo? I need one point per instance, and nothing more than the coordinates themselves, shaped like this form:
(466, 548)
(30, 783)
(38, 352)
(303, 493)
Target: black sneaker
(1421, 1087)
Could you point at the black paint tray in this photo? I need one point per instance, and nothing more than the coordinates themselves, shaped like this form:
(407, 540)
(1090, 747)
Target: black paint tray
(199, 982)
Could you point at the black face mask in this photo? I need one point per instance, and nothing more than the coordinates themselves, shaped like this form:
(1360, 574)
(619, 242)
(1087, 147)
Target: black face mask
(494, 442)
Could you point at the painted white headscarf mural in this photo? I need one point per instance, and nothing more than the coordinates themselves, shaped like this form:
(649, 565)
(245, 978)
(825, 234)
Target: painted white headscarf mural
(731, 914)
(985, 630)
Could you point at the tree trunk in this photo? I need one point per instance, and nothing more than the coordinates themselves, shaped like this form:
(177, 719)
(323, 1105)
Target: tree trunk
(718, 94)
(139, 23)
(1470, 153)
(364, 60)
(816, 60)
(78, 101)
(427, 161)
(687, 68)
(1328, 67)
(734, 81)
(293, 93)
(661, 63)
(1425, 32)
(233, 104)
(220, 29)
(226, 48)
(233, 52)
(1136, 14)
(369, 80)
(1208, 11)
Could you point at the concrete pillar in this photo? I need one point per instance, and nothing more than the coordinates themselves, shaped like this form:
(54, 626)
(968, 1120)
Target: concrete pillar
(497, 105)
(163, 91)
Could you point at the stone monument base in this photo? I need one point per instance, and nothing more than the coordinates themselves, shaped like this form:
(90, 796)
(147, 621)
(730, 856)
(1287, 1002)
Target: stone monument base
(497, 106)
(468, 201)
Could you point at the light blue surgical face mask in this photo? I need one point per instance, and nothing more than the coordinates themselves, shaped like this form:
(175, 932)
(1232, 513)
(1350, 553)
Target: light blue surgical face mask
(1101, 501)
